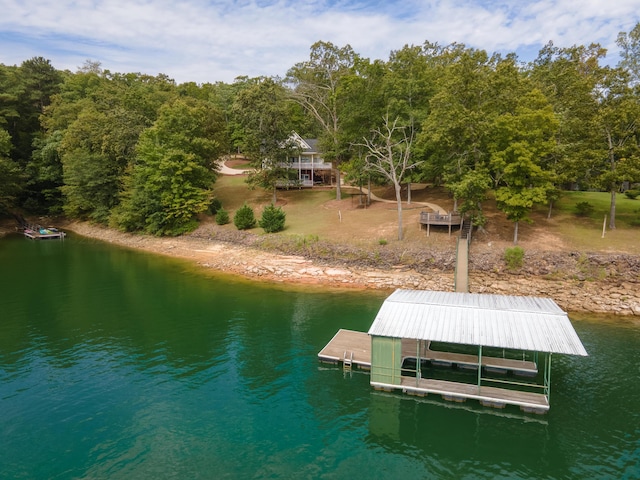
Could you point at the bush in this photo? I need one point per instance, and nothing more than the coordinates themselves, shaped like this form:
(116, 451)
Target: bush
(272, 219)
(382, 241)
(215, 206)
(244, 219)
(584, 209)
(222, 217)
(632, 194)
(514, 257)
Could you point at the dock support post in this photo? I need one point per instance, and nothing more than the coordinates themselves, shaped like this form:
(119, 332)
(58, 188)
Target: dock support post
(547, 379)
(479, 365)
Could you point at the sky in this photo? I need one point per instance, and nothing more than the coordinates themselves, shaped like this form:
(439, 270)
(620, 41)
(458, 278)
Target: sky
(218, 40)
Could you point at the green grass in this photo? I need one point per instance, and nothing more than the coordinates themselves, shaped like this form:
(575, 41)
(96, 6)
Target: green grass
(627, 210)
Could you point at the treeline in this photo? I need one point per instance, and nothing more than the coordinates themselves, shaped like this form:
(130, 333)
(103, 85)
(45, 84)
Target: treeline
(140, 152)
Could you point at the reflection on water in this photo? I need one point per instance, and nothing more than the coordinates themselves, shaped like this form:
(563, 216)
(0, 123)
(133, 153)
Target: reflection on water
(123, 365)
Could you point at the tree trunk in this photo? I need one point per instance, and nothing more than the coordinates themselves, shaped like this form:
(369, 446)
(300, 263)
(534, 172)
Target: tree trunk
(369, 191)
(455, 204)
(612, 210)
(549, 212)
(515, 233)
(409, 193)
(399, 202)
(338, 189)
(612, 162)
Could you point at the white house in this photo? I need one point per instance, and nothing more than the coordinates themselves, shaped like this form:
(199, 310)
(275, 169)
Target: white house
(309, 166)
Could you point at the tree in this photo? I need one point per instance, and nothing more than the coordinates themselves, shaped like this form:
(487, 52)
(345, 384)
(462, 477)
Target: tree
(629, 44)
(389, 154)
(456, 133)
(616, 126)
(264, 130)
(272, 219)
(10, 176)
(522, 139)
(38, 81)
(317, 86)
(244, 218)
(170, 182)
(91, 178)
(568, 77)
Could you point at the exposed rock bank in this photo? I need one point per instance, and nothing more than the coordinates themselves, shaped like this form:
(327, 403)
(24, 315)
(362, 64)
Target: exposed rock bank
(578, 282)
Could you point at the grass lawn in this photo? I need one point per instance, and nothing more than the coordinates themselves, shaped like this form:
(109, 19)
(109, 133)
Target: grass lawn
(315, 213)
(627, 210)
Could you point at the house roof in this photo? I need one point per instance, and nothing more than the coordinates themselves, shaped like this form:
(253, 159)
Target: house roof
(307, 145)
(522, 323)
(312, 143)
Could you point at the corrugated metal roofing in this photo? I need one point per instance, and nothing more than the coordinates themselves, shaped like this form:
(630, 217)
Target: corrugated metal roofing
(522, 323)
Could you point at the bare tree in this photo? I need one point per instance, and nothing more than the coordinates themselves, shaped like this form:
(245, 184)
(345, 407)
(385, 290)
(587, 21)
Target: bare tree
(389, 153)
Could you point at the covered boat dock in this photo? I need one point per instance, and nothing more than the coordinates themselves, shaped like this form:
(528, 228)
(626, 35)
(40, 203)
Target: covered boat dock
(496, 349)
(524, 329)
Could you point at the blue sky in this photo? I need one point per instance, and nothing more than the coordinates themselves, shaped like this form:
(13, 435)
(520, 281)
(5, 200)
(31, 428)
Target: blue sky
(218, 40)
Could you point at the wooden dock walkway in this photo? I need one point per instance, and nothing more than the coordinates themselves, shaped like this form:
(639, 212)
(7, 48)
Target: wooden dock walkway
(462, 266)
(353, 346)
(488, 396)
(464, 360)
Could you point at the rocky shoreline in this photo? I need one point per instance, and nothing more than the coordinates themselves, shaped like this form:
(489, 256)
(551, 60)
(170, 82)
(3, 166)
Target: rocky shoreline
(578, 282)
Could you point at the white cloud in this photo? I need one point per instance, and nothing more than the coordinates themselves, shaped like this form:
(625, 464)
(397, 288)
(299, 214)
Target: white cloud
(211, 40)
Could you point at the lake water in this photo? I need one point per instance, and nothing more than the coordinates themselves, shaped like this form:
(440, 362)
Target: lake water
(117, 364)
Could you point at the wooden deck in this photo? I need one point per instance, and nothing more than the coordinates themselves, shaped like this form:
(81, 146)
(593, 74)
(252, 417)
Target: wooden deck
(488, 396)
(355, 346)
(524, 367)
(448, 220)
(428, 218)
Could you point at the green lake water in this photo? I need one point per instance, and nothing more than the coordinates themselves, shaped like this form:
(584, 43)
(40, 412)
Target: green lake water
(116, 364)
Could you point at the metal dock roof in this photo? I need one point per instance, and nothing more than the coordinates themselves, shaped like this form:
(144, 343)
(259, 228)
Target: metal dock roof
(522, 323)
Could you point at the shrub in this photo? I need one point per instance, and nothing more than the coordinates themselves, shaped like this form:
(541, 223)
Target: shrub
(514, 257)
(215, 206)
(584, 209)
(632, 194)
(272, 219)
(222, 217)
(382, 241)
(244, 219)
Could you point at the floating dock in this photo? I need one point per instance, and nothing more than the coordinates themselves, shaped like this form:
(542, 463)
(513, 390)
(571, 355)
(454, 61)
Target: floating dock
(40, 233)
(348, 347)
(416, 332)
(351, 348)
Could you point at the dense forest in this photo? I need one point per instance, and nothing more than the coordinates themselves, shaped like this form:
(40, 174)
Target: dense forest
(141, 153)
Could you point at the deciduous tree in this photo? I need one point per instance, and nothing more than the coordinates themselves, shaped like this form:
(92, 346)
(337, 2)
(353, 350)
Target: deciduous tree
(388, 153)
(317, 85)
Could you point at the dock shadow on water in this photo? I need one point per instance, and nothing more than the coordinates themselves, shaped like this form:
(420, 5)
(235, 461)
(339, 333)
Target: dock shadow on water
(117, 364)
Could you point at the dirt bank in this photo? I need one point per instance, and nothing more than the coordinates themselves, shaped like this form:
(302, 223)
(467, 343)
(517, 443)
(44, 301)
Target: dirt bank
(579, 282)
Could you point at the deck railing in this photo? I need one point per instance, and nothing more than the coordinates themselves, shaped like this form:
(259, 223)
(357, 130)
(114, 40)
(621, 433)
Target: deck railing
(309, 165)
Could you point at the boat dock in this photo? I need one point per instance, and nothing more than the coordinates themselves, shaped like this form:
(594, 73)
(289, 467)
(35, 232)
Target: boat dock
(36, 232)
(351, 348)
(348, 347)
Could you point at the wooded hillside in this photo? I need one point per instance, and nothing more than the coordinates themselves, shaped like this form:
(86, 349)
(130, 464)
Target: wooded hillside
(141, 152)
